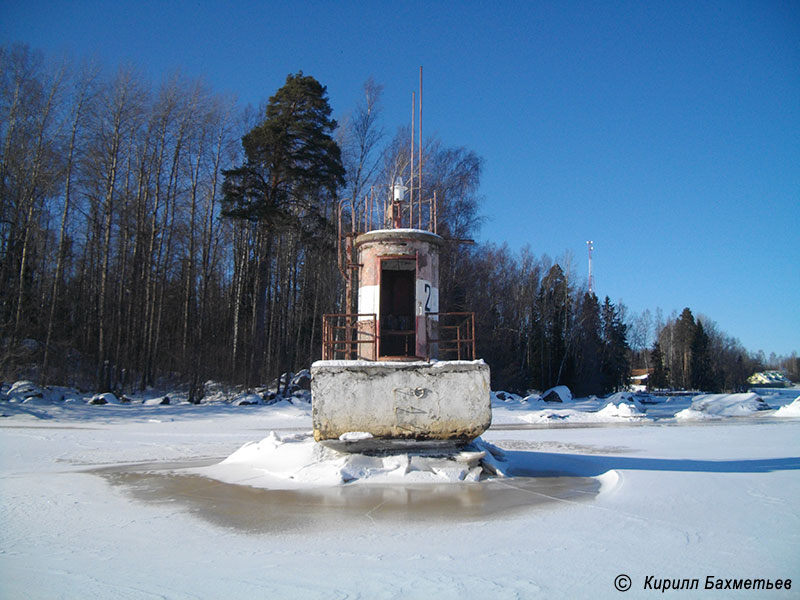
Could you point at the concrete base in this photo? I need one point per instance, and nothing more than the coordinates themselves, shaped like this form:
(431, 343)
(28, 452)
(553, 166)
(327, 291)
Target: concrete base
(444, 400)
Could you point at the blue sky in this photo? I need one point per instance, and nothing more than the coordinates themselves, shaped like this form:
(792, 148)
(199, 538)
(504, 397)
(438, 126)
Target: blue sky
(667, 132)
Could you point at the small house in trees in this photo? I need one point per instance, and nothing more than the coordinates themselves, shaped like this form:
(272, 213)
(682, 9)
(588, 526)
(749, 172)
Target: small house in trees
(639, 380)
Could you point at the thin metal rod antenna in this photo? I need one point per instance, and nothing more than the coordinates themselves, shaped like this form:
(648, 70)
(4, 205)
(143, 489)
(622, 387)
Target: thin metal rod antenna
(411, 183)
(419, 179)
(383, 200)
(590, 245)
(435, 213)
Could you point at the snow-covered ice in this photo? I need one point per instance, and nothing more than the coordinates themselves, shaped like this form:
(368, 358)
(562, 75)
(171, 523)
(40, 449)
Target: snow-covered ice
(101, 501)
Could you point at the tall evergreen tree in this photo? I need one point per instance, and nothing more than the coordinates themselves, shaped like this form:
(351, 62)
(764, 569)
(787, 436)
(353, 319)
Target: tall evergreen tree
(292, 164)
(682, 354)
(550, 329)
(701, 376)
(659, 378)
(616, 364)
(588, 348)
(287, 189)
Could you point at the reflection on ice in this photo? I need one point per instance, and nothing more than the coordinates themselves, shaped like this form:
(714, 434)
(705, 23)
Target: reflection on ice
(254, 510)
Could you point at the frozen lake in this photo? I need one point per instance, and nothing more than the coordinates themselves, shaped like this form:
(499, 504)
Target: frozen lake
(93, 504)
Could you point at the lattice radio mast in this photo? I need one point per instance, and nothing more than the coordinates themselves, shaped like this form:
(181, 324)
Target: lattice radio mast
(590, 245)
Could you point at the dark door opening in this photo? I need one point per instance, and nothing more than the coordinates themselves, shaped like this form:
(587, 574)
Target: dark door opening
(397, 334)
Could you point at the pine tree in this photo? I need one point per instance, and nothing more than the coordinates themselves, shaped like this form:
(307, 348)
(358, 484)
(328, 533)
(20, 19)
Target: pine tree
(615, 367)
(659, 378)
(588, 348)
(701, 376)
(286, 189)
(292, 164)
(684, 334)
(550, 329)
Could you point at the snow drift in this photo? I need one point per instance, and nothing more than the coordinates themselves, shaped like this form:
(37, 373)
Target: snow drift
(295, 460)
(790, 410)
(715, 406)
(560, 393)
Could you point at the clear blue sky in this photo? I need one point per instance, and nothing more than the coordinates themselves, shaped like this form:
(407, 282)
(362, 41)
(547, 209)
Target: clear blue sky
(667, 132)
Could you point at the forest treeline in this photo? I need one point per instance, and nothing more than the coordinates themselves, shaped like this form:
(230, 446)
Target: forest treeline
(538, 326)
(161, 231)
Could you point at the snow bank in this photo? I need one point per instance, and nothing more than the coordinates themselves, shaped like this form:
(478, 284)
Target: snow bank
(22, 391)
(247, 399)
(622, 410)
(610, 413)
(534, 409)
(28, 392)
(102, 399)
(790, 410)
(501, 397)
(556, 394)
(560, 393)
(159, 401)
(715, 406)
(297, 461)
(627, 398)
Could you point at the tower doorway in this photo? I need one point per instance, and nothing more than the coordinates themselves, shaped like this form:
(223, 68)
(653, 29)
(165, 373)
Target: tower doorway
(397, 296)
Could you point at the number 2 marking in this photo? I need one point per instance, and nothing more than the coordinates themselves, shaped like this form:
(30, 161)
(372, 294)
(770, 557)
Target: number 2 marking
(427, 297)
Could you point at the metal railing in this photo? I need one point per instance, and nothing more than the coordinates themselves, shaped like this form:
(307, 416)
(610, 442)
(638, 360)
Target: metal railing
(355, 336)
(456, 339)
(349, 336)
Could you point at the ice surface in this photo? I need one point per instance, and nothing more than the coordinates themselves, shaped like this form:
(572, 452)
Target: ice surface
(704, 498)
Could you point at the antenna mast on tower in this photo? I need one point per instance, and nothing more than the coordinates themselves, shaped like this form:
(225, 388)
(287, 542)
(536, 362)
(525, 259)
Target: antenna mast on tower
(590, 245)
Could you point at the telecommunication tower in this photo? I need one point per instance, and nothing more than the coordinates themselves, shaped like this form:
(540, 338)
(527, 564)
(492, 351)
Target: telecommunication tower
(590, 245)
